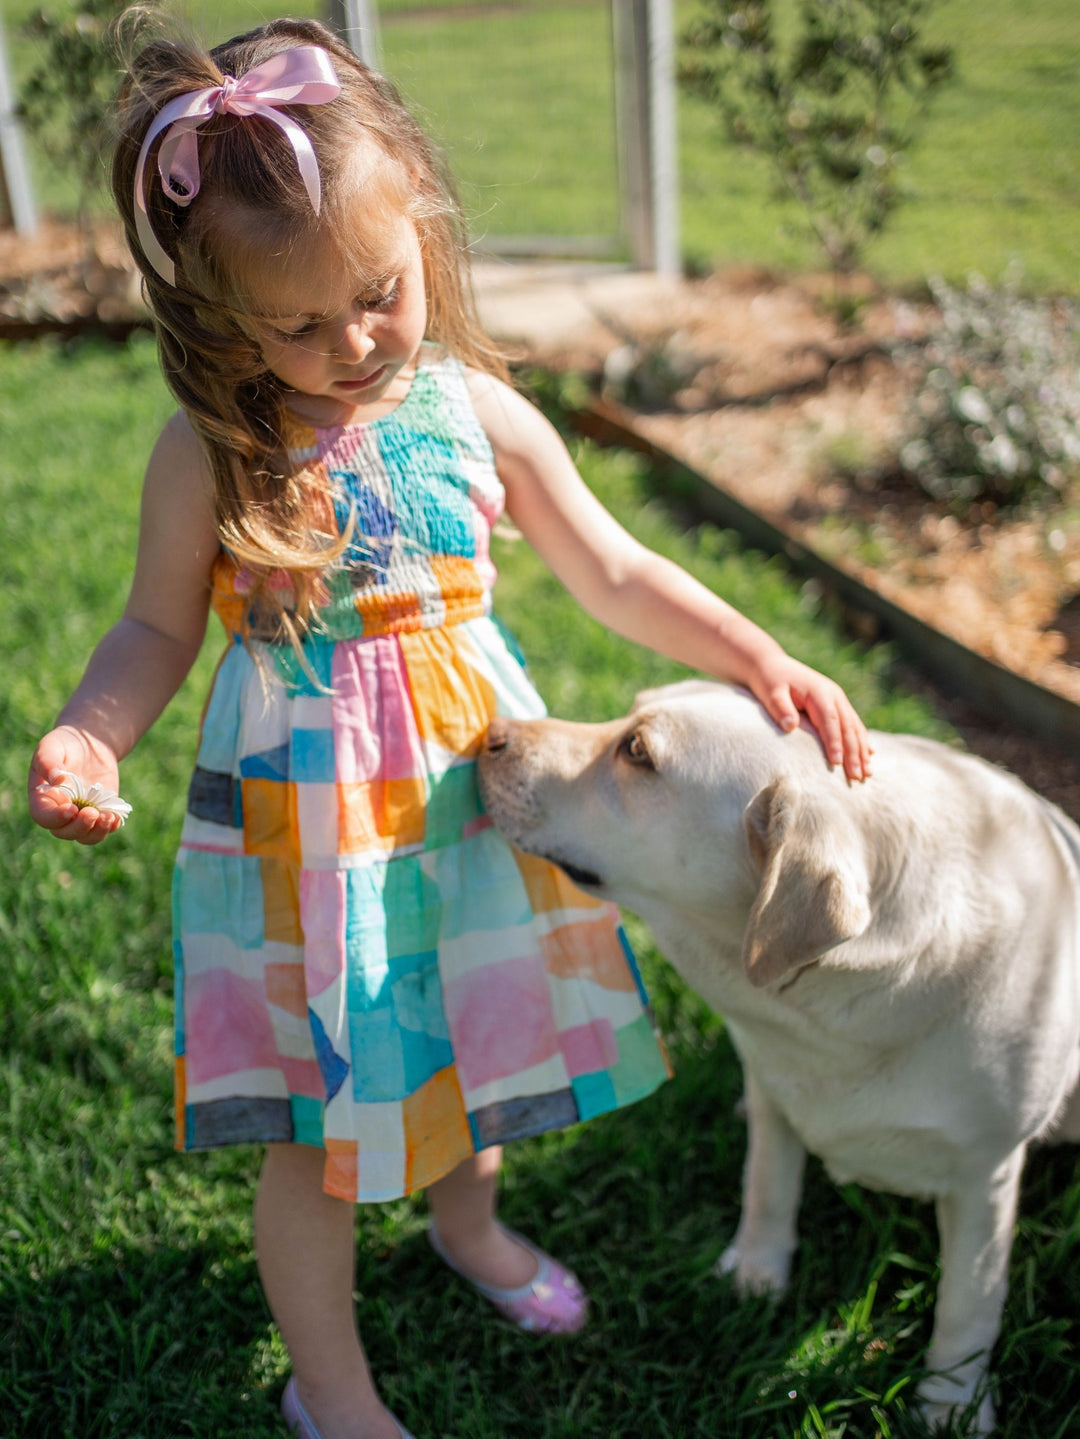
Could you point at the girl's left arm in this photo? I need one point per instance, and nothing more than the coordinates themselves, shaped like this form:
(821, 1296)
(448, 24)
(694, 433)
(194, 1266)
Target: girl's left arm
(640, 594)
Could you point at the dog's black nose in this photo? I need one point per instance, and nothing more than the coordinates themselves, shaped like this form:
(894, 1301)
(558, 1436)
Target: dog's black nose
(498, 735)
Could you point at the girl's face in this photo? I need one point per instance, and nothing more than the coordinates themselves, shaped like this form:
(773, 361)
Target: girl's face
(346, 345)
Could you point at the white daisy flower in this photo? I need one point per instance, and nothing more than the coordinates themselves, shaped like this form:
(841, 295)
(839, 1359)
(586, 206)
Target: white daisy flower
(96, 796)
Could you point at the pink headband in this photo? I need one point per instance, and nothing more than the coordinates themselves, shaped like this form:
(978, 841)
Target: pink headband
(300, 76)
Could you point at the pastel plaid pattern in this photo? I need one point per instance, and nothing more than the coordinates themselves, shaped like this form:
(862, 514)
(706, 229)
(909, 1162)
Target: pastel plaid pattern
(362, 962)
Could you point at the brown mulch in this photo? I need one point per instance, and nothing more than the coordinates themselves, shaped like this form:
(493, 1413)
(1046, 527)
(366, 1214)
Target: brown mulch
(761, 389)
(785, 408)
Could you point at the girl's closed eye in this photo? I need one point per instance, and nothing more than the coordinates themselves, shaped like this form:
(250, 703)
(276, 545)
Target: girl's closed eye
(376, 302)
(380, 299)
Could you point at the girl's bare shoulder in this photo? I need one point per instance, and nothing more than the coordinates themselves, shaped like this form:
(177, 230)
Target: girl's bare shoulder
(512, 422)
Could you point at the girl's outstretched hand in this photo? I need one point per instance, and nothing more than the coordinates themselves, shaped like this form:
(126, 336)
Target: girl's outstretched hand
(785, 687)
(63, 753)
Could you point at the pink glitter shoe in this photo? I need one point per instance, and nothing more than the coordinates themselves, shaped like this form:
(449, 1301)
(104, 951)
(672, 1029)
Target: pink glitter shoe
(298, 1420)
(553, 1302)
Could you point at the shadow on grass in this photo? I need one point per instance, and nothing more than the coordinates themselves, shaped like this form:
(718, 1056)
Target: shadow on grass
(175, 1339)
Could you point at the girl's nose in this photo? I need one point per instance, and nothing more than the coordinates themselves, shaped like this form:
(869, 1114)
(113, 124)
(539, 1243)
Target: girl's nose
(355, 342)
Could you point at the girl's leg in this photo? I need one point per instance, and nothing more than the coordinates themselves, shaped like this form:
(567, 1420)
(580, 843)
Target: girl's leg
(304, 1243)
(463, 1211)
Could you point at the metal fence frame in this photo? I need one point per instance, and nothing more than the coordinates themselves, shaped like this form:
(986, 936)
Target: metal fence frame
(643, 32)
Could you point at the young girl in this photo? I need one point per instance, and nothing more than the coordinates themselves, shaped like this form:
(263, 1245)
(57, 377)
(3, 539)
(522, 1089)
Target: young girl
(368, 979)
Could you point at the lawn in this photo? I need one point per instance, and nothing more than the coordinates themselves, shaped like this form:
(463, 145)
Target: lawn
(522, 100)
(129, 1303)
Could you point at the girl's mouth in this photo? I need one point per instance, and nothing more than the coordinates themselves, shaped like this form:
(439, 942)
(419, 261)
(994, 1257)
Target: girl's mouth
(365, 382)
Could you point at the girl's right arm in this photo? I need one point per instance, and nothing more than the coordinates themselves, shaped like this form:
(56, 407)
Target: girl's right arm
(142, 661)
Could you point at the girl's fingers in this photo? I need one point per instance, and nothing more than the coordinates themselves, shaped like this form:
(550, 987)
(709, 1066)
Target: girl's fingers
(88, 826)
(782, 707)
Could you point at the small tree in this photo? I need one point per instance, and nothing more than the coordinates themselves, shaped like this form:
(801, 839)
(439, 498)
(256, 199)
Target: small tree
(834, 115)
(67, 96)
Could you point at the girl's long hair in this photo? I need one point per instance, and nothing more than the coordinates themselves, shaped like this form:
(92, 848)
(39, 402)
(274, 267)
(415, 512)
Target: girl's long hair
(271, 519)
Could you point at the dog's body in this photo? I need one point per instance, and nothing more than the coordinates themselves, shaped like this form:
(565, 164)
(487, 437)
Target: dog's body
(898, 962)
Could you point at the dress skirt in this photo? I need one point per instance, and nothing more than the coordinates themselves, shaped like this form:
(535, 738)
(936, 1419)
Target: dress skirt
(362, 961)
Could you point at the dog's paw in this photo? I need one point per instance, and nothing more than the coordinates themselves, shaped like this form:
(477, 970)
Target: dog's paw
(941, 1406)
(763, 1270)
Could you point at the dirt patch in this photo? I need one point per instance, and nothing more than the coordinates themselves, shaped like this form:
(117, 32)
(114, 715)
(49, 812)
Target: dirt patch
(752, 381)
(65, 276)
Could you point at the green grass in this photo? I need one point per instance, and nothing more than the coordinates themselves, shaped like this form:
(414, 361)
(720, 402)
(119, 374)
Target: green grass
(523, 103)
(994, 176)
(129, 1303)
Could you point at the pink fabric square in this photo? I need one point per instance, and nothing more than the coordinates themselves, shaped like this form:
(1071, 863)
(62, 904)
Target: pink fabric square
(374, 728)
(500, 1020)
(589, 1047)
(227, 1026)
(322, 918)
(303, 1076)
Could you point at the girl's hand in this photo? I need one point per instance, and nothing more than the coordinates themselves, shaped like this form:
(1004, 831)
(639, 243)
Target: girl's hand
(784, 687)
(65, 751)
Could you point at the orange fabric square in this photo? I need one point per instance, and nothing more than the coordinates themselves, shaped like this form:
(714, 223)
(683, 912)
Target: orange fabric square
(588, 949)
(385, 614)
(357, 830)
(340, 1168)
(285, 987)
(281, 902)
(180, 1102)
(453, 701)
(226, 600)
(270, 828)
(548, 888)
(399, 810)
(459, 585)
(437, 1134)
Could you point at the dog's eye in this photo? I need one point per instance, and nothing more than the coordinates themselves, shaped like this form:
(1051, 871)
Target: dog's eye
(636, 751)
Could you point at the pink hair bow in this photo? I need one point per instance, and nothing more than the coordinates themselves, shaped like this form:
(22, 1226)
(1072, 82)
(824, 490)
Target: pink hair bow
(300, 76)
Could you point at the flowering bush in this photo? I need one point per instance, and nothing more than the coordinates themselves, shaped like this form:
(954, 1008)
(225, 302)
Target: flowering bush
(996, 415)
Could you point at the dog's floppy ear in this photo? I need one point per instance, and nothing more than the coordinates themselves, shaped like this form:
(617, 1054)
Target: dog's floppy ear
(815, 889)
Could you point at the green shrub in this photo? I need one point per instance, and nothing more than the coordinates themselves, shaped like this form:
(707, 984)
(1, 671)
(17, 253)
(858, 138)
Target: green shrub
(834, 111)
(996, 413)
(66, 98)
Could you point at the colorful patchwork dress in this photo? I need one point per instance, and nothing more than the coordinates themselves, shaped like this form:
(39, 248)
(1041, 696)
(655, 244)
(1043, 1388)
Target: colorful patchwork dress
(362, 962)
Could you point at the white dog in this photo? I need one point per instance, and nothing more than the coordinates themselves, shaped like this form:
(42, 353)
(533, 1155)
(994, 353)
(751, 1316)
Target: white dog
(898, 962)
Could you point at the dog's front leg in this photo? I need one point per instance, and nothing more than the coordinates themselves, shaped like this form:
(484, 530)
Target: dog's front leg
(760, 1254)
(975, 1225)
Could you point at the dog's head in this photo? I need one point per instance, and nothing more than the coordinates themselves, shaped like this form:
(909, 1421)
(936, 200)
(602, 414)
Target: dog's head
(696, 803)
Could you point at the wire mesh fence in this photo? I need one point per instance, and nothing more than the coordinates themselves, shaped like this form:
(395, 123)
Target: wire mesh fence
(520, 95)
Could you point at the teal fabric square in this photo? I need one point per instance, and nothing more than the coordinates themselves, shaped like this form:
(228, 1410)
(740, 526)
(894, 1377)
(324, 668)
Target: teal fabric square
(480, 885)
(378, 1071)
(307, 1114)
(222, 895)
(431, 498)
(221, 723)
(640, 1068)
(424, 1055)
(594, 1094)
(416, 991)
(453, 802)
(412, 907)
(318, 659)
(311, 758)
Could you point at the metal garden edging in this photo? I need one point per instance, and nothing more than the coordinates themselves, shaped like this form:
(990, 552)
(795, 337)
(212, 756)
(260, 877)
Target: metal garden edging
(988, 687)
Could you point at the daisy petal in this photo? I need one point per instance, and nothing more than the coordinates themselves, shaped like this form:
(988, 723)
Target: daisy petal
(94, 796)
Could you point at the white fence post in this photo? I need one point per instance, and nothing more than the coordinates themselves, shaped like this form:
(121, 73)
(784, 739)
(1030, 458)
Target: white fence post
(645, 120)
(356, 21)
(17, 196)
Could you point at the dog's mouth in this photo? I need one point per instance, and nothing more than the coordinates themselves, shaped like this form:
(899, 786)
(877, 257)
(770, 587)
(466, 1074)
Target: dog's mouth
(586, 878)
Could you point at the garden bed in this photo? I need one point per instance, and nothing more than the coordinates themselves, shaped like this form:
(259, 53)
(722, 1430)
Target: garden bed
(752, 382)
